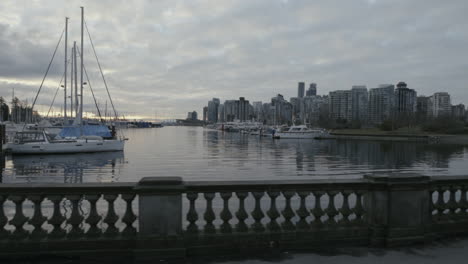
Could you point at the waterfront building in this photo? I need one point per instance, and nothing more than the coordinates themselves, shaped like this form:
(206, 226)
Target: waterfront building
(405, 100)
(440, 105)
(422, 105)
(340, 106)
(381, 103)
(282, 110)
(458, 111)
(221, 113)
(205, 113)
(230, 110)
(300, 89)
(311, 109)
(360, 103)
(257, 110)
(213, 110)
(296, 103)
(312, 91)
(192, 116)
(237, 110)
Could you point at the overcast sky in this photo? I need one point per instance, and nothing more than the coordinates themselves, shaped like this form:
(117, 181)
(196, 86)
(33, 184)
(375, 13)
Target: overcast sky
(166, 58)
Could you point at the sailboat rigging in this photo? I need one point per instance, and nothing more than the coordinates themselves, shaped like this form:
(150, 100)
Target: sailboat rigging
(81, 136)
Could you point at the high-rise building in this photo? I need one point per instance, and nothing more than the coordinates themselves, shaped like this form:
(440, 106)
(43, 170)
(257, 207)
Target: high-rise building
(311, 109)
(422, 106)
(300, 89)
(282, 110)
(205, 113)
(230, 110)
(381, 103)
(440, 105)
(296, 103)
(312, 91)
(340, 104)
(221, 113)
(405, 100)
(192, 115)
(360, 103)
(213, 110)
(257, 111)
(458, 111)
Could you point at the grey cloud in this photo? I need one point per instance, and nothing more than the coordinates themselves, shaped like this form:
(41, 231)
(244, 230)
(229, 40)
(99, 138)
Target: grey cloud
(175, 55)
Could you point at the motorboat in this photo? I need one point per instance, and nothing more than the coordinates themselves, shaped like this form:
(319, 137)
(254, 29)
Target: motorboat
(302, 132)
(39, 142)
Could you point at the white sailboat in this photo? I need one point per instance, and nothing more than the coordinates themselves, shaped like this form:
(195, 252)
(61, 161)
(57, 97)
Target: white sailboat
(40, 142)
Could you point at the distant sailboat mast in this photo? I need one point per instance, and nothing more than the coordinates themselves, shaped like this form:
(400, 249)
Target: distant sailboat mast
(65, 77)
(72, 60)
(81, 70)
(76, 79)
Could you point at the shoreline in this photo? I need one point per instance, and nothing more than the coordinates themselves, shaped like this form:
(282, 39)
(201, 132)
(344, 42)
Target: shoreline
(409, 137)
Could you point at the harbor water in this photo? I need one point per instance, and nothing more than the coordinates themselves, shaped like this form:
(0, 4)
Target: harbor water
(196, 153)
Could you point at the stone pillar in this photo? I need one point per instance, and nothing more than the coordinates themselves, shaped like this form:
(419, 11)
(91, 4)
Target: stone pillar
(398, 207)
(160, 206)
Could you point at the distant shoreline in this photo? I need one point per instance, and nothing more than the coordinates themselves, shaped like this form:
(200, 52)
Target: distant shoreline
(364, 134)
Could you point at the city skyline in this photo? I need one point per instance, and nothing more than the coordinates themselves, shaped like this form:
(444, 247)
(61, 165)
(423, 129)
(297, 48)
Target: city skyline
(175, 55)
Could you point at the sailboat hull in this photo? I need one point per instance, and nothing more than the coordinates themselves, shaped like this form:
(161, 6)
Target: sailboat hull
(78, 146)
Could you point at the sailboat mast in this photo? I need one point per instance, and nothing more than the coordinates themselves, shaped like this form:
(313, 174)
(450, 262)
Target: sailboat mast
(72, 60)
(65, 77)
(76, 79)
(81, 72)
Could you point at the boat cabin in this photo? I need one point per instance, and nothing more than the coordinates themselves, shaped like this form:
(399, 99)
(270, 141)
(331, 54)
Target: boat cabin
(31, 137)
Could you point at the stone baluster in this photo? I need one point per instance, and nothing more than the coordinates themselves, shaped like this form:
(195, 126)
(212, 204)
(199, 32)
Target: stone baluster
(345, 208)
(317, 212)
(76, 219)
(38, 218)
(57, 218)
(111, 217)
(257, 213)
(452, 204)
(440, 204)
(331, 209)
(273, 213)
(226, 215)
(241, 213)
(209, 214)
(463, 202)
(432, 204)
(19, 219)
(302, 212)
(129, 216)
(192, 214)
(359, 209)
(287, 212)
(93, 218)
(3, 219)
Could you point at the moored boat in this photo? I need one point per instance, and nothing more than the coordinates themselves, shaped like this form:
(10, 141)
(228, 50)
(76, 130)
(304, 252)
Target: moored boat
(39, 142)
(301, 132)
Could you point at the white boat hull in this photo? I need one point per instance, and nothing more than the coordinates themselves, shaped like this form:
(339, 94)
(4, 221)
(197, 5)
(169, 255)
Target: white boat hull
(78, 146)
(299, 135)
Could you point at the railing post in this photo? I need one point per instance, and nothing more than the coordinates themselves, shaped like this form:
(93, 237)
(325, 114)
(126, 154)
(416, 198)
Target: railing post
(160, 206)
(398, 207)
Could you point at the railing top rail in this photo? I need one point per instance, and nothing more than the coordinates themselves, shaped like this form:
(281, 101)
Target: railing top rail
(65, 188)
(319, 184)
(458, 179)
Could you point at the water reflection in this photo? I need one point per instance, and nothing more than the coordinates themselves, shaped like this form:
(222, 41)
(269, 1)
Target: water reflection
(199, 154)
(70, 168)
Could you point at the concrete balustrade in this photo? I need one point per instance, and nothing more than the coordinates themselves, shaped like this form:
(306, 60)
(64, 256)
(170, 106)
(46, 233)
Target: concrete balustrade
(166, 216)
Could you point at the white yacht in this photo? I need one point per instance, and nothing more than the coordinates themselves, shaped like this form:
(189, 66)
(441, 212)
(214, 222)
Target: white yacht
(39, 142)
(301, 131)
